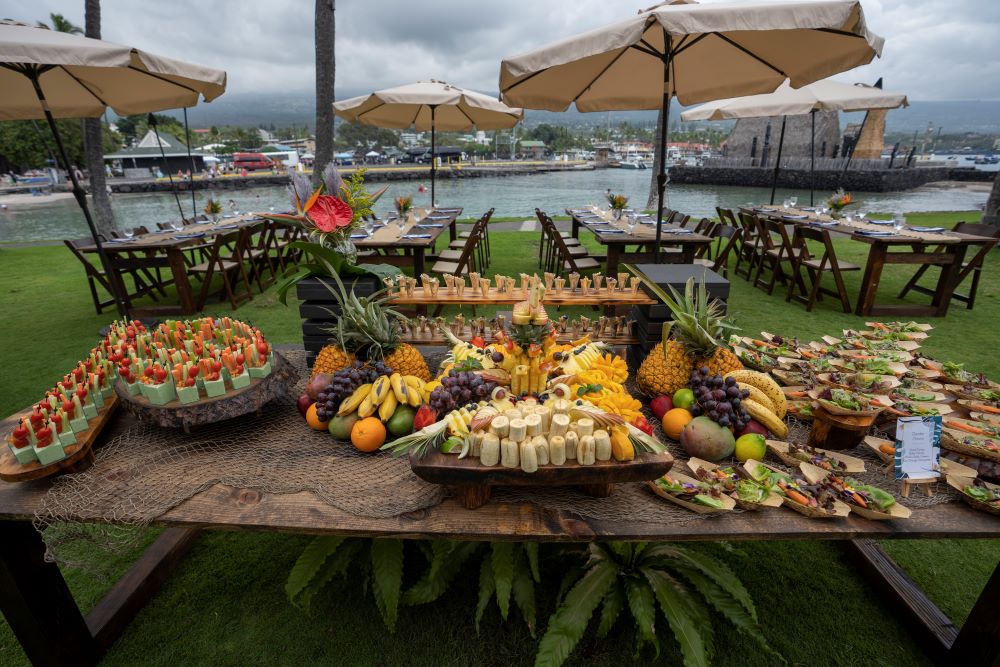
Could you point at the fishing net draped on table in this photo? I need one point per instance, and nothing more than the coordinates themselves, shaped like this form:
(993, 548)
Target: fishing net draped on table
(145, 471)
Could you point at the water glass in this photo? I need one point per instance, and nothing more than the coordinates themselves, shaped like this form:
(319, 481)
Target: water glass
(861, 215)
(177, 226)
(793, 201)
(369, 226)
(785, 203)
(129, 232)
(401, 223)
(898, 221)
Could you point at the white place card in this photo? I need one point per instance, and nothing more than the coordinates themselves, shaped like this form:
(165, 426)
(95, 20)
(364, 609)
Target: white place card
(918, 447)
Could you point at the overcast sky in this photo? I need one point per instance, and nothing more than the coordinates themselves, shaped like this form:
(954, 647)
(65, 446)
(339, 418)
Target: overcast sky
(935, 49)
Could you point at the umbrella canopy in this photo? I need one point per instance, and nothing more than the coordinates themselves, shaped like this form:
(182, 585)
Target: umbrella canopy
(715, 51)
(693, 52)
(48, 74)
(81, 77)
(429, 105)
(788, 101)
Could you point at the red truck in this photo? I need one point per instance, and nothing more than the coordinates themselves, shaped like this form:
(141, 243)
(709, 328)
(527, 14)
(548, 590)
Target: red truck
(251, 161)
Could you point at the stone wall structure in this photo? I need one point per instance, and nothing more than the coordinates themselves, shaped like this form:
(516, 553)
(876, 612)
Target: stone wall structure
(797, 136)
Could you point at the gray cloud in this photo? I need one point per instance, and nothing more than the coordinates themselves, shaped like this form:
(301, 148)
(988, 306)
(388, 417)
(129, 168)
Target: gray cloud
(934, 50)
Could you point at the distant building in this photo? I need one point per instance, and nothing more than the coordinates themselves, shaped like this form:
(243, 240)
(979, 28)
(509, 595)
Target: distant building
(303, 145)
(411, 138)
(533, 150)
(145, 156)
(747, 138)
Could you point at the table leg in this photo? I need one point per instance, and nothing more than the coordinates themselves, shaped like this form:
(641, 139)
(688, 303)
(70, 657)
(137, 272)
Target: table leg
(37, 603)
(418, 262)
(178, 268)
(575, 227)
(452, 230)
(948, 280)
(614, 258)
(978, 642)
(870, 280)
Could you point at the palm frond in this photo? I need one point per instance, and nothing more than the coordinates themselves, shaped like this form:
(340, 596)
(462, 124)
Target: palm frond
(683, 616)
(502, 559)
(569, 622)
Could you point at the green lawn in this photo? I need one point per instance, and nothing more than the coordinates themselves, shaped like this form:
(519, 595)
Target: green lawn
(226, 604)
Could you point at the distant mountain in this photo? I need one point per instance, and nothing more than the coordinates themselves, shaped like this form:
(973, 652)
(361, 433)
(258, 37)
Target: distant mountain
(254, 109)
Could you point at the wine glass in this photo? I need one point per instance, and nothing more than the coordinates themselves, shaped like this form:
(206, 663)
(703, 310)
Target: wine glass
(129, 233)
(630, 222)
(793, 201)
(861, 215)
(401, 223)
(176, 226)
(369, 225)
(785, 203)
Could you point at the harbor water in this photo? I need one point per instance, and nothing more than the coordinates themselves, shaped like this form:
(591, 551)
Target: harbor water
(25, 220)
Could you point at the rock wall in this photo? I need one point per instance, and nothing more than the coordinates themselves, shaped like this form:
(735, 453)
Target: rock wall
(885, 180)
(797, 136)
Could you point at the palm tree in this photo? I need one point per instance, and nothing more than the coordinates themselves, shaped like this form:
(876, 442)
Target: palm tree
(93, 140)
(658, 154)
(325, 75)
(61, 24)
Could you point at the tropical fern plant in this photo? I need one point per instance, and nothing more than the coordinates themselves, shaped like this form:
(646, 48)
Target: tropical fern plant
(379, 563)
(687, 585)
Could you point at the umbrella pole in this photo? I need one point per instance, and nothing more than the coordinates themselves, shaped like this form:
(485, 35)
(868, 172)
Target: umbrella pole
(777, 162)
(187, 140)
(81, 198)
(166, 167)
(812, 156)
(661, 178)
(433, 154)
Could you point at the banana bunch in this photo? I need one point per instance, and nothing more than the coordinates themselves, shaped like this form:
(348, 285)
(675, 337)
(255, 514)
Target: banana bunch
(462, 350)
(458, 421)
(766, 403)
(384, 396)
(581, 358)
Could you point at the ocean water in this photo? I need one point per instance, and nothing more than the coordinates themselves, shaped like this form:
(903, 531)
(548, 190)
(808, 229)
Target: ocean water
(510, 196)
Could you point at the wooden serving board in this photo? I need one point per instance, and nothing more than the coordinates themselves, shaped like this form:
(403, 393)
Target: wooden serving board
(435, 337)
(552, 297)
(210, 410)
(473, 481)
(79, 455)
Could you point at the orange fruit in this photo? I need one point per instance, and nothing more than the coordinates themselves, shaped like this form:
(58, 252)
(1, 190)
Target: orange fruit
(313, 420)
(674, 422)
(368, 434)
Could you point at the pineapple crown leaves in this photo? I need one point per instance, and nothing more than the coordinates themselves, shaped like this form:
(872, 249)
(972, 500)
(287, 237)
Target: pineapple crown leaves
(365, 323)
(698, 324)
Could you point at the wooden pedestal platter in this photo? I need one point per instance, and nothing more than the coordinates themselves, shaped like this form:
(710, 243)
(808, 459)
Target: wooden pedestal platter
(79, 455)
(210, 410)
(473, 482)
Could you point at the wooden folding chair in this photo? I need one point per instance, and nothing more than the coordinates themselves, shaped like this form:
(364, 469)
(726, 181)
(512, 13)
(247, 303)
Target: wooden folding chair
(750, 245)
(776, 250)
(816, 267)
(478, 257)
(570, 259)
(259, 255)
(973, 266)
(547, 250)
(461, 266)
(727, 238)
(230, 264)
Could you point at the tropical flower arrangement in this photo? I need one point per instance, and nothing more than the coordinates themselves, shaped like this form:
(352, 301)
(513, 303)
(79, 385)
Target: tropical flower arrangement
(328, 215)
(839, 200)
(213, 207)
(617, 203)
(403, 205)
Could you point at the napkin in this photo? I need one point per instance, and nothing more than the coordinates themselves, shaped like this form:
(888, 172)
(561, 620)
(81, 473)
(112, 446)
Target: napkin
(436, 225)
(416, 236)
(875, 233)
(928, 230)
(228, 227)
(120, 240)
(680, 230)
(878, 222)
(189, 236)
(359, 236)
(610, 231)
(438, 217)
(796, 216)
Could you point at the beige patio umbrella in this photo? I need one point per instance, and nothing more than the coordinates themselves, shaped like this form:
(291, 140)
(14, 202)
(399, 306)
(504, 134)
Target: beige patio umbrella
(48, 74)
(429, 105)
(693, 52)
(787, 101)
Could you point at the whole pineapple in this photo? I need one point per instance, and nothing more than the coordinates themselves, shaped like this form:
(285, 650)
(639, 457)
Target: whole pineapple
(691, 340)
(368, 329)
(666, 368)
(331, 359)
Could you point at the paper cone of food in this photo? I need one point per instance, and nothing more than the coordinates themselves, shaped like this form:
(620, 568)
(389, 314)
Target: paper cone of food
(747, 492)
(794, 455)
(761, 471)
(724, 503)
(855, 500)
(966, 486)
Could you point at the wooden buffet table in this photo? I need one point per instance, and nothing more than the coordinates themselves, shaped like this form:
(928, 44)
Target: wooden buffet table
(388, 238)
(903, 248)
(42, 613)
(617, 242)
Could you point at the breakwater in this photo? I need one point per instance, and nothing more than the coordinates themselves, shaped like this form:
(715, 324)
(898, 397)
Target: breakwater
(374, 174)
(853, 180)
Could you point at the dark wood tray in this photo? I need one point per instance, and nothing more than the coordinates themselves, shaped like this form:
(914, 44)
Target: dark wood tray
(473, 481)
(210, 410)
(79, 455)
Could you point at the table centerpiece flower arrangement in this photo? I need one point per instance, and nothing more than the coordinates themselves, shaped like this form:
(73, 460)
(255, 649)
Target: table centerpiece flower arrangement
(617, 203)
(328, 215)
(403, 204)
(213, 207)
(838, 201)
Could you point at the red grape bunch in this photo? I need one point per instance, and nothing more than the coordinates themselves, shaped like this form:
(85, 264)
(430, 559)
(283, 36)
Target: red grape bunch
(719, 399)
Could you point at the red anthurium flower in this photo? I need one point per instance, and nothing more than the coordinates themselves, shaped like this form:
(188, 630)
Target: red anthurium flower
(330, 213)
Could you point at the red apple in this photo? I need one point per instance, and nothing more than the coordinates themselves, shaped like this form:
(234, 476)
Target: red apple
(754, 426)
(661, 405)
(303, 404)
(318, 383)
